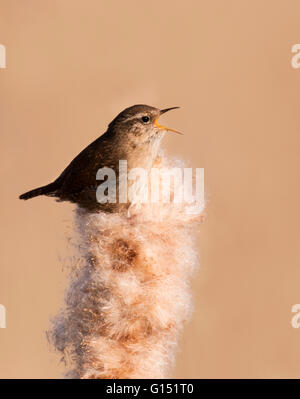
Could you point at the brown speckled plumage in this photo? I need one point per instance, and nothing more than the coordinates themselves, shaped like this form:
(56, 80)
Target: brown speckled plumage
(127, 138)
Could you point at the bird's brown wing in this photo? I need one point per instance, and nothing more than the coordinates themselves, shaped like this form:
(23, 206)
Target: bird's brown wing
(80, 174)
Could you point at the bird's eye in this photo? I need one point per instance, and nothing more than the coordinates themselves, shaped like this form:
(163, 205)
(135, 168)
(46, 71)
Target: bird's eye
(145, 119)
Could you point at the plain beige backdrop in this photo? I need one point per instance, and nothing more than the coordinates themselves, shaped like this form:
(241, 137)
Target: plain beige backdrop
(72, 65)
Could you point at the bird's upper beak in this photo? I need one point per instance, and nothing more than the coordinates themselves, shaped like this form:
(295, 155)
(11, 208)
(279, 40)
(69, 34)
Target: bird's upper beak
(162, 111)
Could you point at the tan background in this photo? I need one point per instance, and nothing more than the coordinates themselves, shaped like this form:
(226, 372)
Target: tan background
(71, 66)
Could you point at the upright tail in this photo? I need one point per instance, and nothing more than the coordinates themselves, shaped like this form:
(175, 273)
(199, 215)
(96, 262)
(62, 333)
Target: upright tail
(44, 190)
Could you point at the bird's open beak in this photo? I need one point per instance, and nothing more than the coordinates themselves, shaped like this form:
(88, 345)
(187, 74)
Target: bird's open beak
(162, 111)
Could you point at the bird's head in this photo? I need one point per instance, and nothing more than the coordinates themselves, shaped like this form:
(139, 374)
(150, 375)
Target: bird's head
(139, 124)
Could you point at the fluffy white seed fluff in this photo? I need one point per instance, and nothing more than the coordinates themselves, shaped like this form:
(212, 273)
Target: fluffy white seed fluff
(129, 296)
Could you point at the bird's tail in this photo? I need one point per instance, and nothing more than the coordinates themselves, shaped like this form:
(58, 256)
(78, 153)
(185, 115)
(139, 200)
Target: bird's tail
(44, 190)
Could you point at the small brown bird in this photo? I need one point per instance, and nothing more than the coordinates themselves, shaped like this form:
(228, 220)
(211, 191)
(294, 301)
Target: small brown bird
(134, 135)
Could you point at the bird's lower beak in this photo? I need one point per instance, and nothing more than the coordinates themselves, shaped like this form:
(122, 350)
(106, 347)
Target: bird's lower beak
(164, 127)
